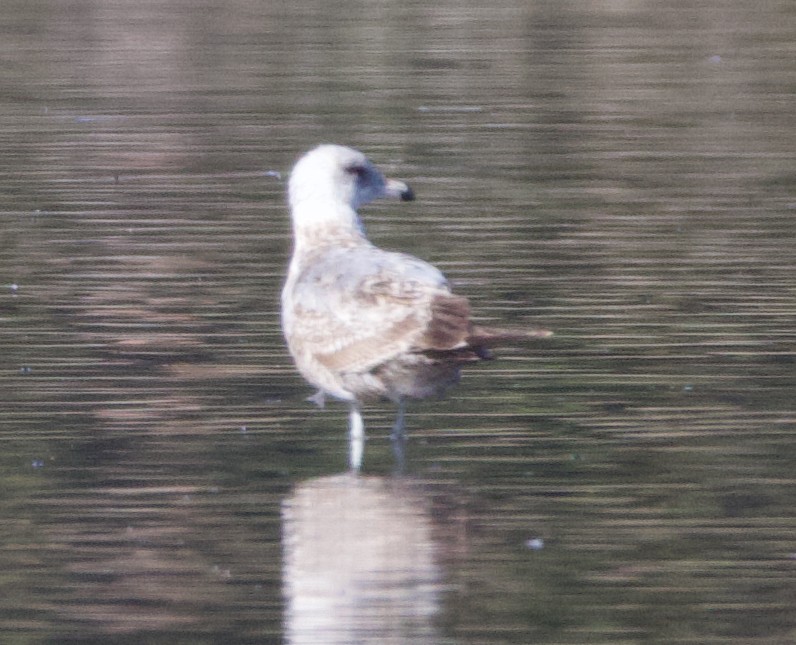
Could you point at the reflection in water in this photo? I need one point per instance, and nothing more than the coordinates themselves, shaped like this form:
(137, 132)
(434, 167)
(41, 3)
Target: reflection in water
(360, 562)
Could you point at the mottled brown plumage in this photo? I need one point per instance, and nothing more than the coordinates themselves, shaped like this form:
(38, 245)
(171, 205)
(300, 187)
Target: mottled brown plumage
(362, 323)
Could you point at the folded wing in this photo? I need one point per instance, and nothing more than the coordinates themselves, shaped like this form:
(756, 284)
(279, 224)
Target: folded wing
(355, 308)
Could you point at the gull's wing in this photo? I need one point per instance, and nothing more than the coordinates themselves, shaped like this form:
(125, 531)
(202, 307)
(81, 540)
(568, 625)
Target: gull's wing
(354, 308)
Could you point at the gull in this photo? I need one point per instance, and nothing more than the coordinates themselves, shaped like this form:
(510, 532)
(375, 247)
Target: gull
(362, 323)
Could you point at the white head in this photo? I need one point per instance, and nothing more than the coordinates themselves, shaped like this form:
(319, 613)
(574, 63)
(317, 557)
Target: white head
(339, 178)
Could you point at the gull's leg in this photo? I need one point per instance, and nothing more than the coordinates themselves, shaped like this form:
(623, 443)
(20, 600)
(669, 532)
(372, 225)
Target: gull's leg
(398, 437)
(319, 399)
(356, 430)
(398, 426)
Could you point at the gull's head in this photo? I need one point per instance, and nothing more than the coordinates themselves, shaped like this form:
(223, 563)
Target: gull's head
(338, 177)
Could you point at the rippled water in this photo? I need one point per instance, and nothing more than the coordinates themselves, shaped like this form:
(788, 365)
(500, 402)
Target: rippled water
(622, 173)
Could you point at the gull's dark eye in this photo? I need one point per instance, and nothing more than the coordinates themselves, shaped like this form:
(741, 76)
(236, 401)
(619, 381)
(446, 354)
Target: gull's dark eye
(357, 170)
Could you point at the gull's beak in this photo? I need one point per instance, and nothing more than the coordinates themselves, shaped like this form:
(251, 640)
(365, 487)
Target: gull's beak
(399, 189)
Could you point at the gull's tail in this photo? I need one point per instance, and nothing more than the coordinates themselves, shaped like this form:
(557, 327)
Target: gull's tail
(492, 336)
(481, 339)
(450, 335)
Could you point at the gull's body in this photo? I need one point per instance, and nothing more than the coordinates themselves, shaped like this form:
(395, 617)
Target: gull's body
(362, 323)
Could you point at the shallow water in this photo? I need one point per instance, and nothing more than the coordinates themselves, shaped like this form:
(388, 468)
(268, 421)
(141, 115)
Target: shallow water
(621, 173)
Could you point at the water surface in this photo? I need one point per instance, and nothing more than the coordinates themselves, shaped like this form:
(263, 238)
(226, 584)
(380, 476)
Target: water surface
(621, 173)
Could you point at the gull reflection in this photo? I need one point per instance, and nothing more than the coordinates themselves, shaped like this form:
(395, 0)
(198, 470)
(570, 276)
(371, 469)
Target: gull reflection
(360, 562)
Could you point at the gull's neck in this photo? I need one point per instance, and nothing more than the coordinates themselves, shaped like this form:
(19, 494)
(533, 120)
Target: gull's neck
(318, 224)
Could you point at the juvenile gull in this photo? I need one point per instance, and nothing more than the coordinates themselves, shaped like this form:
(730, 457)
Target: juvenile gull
(362, 323)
